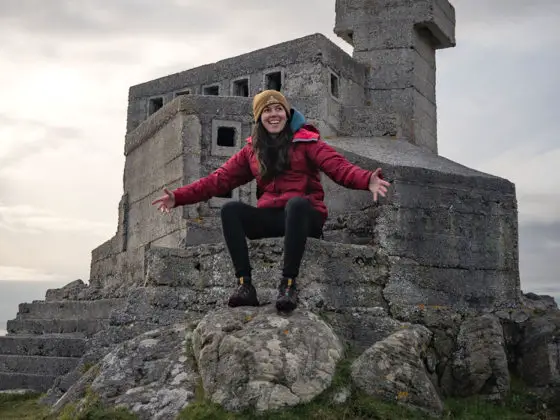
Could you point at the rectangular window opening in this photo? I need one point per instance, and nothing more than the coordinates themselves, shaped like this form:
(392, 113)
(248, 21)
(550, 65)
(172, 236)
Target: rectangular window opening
(211, 90)
(274, 81)
(241, 88)
(183, 92)
(226, 136)
(154, 105)
(334, 85)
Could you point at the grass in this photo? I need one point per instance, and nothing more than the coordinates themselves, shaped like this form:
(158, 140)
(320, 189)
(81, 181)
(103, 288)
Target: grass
(520, 405)
(21, 407)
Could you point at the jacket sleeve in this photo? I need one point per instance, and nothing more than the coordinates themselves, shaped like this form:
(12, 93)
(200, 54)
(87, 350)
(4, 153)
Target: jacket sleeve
(232, 174)
(337, 167)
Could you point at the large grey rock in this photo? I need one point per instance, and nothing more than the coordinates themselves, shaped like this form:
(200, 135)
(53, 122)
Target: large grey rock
(538, 355)
(150, 375)
(394, 369)
(255, 358)
(479, 364)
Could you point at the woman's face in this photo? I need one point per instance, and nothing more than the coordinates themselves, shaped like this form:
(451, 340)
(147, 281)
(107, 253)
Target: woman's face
(274, 118)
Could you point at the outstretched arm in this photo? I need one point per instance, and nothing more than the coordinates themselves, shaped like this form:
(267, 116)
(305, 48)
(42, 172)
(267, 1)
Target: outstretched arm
(344, 173)
(232, 174)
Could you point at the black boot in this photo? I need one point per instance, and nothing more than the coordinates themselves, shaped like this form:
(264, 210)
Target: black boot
(287, 298)
(245, 295)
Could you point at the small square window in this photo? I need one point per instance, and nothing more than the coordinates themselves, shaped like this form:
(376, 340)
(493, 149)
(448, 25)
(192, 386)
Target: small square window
(274, 81)
(334, 85)
(212, 90)
(155, 104)
(226, 136)
(241, 87)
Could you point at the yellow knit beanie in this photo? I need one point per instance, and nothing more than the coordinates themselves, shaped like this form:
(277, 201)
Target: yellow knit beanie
(268, 97)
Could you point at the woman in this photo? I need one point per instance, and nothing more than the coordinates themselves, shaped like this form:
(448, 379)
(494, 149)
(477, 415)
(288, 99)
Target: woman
(285, 155)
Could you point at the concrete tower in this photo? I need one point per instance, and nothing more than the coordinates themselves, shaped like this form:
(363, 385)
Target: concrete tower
(397, 41)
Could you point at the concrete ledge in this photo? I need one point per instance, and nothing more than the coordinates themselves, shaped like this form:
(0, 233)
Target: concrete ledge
(37, 365)
(54, 345)
(215, 106)
(96, 309)
(85, 327)
(38, 383)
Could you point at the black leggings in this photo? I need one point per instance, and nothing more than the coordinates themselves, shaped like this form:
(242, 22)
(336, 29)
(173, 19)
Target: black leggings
(297, 221)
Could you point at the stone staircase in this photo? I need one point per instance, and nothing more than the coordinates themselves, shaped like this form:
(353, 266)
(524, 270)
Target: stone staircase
(47, 339)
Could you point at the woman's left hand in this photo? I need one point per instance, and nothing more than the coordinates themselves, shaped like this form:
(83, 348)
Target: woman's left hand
(377, 185)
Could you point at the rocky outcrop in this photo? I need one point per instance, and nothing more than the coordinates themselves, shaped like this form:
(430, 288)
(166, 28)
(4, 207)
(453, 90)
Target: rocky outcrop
(479, 364)
(394, 369)
(278, 360)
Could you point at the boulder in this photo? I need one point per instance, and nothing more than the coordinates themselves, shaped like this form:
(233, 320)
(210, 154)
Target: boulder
(479, 363)
(150, 375)
(394, 369)
(254, 358)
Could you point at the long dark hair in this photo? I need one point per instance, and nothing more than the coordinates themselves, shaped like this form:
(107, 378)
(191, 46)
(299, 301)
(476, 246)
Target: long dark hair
(272, 152)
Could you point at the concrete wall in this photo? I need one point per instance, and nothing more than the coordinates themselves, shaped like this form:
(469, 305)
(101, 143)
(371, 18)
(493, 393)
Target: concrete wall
(175, 146)
(444, 227)
(305, 65)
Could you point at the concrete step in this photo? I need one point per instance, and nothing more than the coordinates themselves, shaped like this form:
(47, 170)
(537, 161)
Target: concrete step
(70, 309)
(87, 327)
(43, 345)
(39, 383)
(37, 365)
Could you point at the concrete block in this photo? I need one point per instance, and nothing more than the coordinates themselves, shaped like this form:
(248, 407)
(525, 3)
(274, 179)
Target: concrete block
(412, 285)
(398, 69)
(68, 309)
(326, 270)
(85, 327)
(53, 345)
(38, 365)
(354, 17)
(38, 383)
(364, 121)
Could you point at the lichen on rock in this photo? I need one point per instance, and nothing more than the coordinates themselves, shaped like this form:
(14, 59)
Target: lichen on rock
(255, 358)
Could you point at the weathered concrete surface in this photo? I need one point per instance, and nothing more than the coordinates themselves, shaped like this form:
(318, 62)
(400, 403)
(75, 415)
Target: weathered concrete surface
(43, 345)
(332, 276)
(27, 381)
(97, 309)
(278, 361)
(296, 59)
(38, 365)
(393, 369)
(449, 232)
(82, 326)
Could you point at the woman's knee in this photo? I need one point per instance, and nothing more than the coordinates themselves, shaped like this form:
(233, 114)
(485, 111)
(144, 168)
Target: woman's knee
(298, 204)
(231, 208)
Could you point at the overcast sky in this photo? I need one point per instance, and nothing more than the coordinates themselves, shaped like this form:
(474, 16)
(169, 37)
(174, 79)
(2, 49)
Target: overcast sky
(66, 68)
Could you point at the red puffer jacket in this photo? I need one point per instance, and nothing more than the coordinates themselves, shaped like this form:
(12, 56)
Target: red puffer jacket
(308, 156)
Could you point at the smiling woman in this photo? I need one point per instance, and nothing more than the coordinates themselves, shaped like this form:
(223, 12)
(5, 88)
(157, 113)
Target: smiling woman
(285, 155)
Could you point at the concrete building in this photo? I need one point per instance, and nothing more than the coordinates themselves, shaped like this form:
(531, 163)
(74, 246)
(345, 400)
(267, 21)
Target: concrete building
(445, 238)
(181, 127)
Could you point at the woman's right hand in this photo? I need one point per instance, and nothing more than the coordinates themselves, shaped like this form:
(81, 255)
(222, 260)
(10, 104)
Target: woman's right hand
(166, 202)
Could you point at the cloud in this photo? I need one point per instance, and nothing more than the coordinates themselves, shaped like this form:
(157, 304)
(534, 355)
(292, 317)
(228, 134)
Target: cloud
(66, 70)
(539, 245)
(28, 220)
(12, 273)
